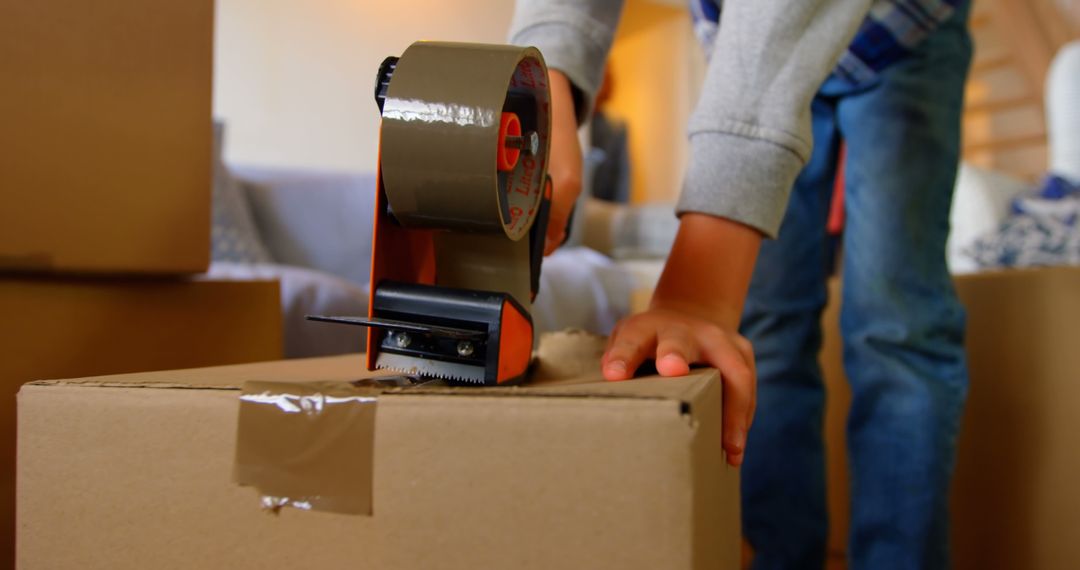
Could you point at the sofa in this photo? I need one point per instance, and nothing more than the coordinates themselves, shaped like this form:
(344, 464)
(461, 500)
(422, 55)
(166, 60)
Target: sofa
(312, 230)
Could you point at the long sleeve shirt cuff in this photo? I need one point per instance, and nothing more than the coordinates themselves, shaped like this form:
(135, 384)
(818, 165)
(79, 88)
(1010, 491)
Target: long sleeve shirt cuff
(744, 179)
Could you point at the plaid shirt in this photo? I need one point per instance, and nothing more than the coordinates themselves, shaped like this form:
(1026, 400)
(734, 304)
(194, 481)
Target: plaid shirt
(888, 34)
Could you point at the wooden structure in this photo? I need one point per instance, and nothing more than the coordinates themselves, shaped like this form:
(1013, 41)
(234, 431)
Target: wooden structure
(1004, 117)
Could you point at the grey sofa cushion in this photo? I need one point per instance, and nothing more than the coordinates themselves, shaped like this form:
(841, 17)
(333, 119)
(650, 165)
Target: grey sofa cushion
(314, 219)
(233, 235)
(581, 289)
(307, 292)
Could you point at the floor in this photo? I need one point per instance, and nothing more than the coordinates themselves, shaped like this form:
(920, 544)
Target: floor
(835, 561)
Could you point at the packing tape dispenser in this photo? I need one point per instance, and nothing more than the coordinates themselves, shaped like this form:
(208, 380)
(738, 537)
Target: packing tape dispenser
(461, 212)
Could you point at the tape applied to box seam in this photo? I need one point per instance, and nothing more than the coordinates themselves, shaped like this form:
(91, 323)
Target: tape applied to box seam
(310, 445)
(307, 445)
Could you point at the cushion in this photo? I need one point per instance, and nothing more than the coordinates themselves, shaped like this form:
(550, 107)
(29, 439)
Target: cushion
(308, 292)
(581, 289)
(981, 201)
(233, 235)
(1043, 229)
(312, 218)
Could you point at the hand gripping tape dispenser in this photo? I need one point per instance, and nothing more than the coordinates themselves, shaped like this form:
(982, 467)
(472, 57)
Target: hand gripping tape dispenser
(461, 212)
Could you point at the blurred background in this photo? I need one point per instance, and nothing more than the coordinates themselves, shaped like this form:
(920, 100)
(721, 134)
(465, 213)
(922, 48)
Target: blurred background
(291, 79)
(184, 180)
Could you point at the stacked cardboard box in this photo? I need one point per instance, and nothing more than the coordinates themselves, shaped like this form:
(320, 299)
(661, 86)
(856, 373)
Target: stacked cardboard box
(566, 472)
(1014, 500)
(105, 170)
(61, 326)
(105, 151)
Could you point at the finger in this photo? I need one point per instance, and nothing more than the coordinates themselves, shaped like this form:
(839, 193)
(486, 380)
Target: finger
(566, 194)
(551, 244)
(611, 338)
(614, 336)
(747, 351)
(675, 350)
(738, 391)
(633, 343)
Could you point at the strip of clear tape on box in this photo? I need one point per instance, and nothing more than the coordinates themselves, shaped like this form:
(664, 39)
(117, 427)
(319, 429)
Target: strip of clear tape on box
(308, 445)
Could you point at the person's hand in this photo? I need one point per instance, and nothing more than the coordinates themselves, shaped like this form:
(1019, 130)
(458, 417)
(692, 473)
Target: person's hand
(676, 340)
(694, 316)
(564, 160)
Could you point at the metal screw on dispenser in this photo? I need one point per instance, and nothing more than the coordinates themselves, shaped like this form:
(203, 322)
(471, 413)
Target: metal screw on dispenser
(528, 143)
(465, 348)
(402, 340)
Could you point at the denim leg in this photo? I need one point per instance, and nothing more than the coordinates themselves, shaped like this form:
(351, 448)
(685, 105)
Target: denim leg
(783, 475)
(902, 324)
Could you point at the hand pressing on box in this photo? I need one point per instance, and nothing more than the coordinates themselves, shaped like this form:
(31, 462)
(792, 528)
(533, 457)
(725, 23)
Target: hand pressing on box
(677, 340)
(693, 318)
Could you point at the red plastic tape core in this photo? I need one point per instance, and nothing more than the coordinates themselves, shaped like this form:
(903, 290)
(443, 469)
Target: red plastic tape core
(509, 125)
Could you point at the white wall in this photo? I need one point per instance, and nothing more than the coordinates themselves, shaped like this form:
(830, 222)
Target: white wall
(293, 79)
(656, 66)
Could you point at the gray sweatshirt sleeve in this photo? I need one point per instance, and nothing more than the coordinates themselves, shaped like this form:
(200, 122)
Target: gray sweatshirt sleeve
(574, 36)
(750, 133)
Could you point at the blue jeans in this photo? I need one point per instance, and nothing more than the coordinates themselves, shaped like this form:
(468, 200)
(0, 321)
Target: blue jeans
(901, 322)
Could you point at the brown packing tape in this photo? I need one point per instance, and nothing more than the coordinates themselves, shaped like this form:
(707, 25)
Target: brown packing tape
(484, 262)
(307, 445)
(440, 137)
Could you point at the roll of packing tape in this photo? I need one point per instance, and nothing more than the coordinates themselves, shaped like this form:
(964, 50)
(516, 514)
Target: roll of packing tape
(465, 135)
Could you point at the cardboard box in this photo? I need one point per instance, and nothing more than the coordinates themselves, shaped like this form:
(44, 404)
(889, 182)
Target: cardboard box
(1015, 499)
(1015, 502)
(136, 472)
(105, 149)
(54, 328)
(837, 403)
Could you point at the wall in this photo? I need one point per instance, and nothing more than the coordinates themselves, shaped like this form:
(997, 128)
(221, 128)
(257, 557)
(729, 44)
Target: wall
(657, 66)
(294, 80)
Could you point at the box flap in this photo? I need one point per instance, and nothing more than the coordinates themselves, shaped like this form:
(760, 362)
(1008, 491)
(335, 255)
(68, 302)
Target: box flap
(567, 366)
(330, 368)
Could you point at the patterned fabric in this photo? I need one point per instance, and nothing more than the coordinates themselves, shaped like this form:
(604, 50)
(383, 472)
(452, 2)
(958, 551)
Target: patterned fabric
(233, 234)
(888, 34)
(1043, 229)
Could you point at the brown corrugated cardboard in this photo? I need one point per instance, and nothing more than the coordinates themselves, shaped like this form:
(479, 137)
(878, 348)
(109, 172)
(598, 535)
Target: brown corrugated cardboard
(567, 473)
(53, 328)
(1015, 501)
(837, 402)
(105, 150)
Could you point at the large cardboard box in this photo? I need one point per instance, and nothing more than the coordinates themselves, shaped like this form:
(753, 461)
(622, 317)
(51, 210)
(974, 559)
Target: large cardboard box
(136, 472)
(53, 328)
(105, 147)
(1015, 501)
